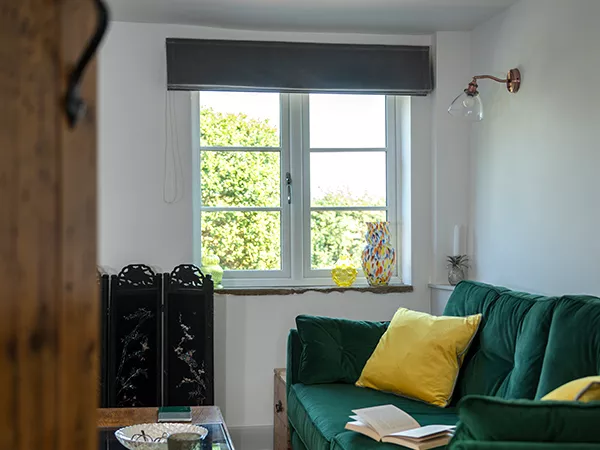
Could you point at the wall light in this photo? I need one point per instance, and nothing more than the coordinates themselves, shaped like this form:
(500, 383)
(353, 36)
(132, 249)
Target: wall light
(468, 104)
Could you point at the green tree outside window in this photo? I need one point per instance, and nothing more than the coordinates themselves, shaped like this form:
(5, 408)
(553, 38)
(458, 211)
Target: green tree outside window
(251, 240)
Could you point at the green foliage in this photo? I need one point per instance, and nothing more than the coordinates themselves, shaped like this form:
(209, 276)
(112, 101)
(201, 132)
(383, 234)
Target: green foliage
(243, 240)
(235, 130)
(334, 233)
(458, 262)
(251, 240)
(240, 178)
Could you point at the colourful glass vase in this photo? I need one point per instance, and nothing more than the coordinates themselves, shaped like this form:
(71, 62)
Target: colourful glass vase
(210, 266)
(344, 273)
(378, 257)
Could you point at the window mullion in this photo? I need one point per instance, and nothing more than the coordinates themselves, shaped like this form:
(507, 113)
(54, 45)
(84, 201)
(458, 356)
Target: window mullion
(391, 179)
(349, 208)
(196, 180)
(306, 195)
(242, 149)
(285, 219)
(296, 170)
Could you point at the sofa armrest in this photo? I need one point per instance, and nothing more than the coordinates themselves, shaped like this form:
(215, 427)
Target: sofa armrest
(496, 445)
(294, 350)
(490, 423)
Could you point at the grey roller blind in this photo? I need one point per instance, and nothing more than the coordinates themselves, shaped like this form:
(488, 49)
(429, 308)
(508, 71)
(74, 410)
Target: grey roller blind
(194, 64)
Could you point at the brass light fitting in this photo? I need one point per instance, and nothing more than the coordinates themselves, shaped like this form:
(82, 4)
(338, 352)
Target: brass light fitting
(468, 104)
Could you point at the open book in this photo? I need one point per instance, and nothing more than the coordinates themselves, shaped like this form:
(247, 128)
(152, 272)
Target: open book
(388, 423)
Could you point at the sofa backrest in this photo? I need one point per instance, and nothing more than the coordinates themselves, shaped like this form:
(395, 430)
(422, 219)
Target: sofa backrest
(573, 349)
(505, 360)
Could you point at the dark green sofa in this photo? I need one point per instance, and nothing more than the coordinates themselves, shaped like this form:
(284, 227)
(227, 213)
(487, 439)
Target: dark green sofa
(527, 346)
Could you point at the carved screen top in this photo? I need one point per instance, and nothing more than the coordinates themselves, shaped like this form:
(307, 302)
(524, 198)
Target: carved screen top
(188, 276)
(136, 275)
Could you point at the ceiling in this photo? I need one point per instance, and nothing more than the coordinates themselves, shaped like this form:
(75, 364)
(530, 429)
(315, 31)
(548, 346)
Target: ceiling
(352, 16)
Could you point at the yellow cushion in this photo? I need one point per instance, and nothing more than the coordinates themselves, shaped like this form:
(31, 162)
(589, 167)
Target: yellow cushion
(583, 390)
(419, 356)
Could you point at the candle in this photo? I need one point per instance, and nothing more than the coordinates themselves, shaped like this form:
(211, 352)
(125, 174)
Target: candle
(456, 248)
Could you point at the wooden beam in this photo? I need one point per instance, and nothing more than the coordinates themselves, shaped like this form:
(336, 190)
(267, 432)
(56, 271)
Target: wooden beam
(48, 291)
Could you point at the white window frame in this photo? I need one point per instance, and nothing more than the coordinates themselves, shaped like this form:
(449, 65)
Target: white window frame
(296, 267)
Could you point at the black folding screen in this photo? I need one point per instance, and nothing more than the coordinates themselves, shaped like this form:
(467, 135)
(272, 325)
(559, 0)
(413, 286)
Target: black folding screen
(188, 346)
(157, 338)
(134, 337)
(104, 281)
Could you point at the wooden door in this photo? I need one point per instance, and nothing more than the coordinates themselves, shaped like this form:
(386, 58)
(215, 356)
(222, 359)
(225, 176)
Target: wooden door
(48, 289)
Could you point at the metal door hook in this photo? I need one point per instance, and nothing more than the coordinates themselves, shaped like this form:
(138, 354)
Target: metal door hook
(75, 106)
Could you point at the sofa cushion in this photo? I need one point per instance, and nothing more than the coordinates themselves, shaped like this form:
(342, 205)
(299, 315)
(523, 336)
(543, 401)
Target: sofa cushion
(318, 413)
(475, 445)
(355, 441)
(419, 356)
(294, 350)
(586, 389)
(506, 357)
(573, 349)
(335, 350)
(494, 419)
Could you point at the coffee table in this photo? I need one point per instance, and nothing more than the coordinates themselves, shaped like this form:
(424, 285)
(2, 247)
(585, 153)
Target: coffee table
(210, 417)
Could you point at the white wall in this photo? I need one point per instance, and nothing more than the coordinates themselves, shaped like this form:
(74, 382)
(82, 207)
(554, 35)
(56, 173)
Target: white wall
(440, 294)
(450, 148)
(535, 157)
(251, 336)
(137, 226)
(135, 223)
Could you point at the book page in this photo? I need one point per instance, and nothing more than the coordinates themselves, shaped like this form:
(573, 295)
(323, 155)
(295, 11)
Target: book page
(362, 428)
(386, 419)
(419, 445)
(425, 432)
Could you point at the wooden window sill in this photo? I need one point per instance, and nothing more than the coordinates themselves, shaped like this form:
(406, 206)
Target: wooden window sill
(391, 289)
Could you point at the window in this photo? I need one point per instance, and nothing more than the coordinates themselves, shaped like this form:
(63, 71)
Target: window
(240, 165)
(284, 183)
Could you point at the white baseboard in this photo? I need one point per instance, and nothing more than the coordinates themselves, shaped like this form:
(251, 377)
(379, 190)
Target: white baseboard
(252, 438)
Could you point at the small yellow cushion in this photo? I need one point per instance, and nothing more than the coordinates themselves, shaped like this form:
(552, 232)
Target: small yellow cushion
(583, 390)
(419, 356)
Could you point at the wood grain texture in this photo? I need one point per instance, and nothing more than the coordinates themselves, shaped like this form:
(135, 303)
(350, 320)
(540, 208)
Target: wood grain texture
(281, 373)
(48, 302)
(281, 431)
(390, 289)
(122, 417)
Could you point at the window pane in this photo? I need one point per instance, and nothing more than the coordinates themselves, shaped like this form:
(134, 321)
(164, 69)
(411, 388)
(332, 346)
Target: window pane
(239, 119)
(334, 233)
(348, 179)
(347, 121)
(240, 178)
(243, 240)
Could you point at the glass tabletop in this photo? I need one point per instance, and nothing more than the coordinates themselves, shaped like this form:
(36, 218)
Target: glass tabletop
(215, 440)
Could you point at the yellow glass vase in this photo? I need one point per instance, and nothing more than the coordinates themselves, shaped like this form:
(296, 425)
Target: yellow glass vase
(344, 273)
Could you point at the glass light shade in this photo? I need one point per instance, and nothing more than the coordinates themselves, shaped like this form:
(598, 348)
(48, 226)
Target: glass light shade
(468, 107)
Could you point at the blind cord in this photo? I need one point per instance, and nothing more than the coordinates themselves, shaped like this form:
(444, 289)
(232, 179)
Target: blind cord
(173, 168)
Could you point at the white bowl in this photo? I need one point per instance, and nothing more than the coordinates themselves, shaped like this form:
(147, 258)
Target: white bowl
(154, 430)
